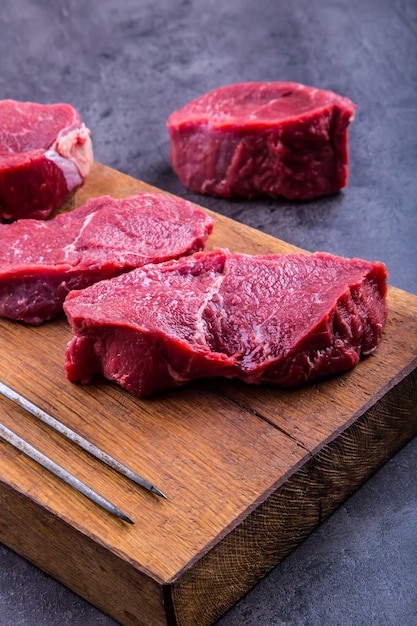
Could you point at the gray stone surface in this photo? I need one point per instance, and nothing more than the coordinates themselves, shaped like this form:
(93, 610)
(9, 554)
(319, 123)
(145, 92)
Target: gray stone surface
(126, 64)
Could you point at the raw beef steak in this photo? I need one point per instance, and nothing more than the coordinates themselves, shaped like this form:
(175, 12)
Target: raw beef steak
(252, 139)
(41, 261)
(280, 319)
(45, 154)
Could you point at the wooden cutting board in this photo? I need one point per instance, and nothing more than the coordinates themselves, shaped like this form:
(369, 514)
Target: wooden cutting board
(249, 472)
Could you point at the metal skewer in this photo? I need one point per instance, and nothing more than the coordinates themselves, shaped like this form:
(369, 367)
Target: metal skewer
(36, 455)
(78, 439)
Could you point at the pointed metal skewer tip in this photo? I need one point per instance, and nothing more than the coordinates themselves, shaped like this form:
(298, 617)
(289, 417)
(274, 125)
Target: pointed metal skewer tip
(40, 458)
(86, 445)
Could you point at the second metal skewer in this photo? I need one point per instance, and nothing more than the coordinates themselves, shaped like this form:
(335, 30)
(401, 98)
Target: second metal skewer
(36, 455)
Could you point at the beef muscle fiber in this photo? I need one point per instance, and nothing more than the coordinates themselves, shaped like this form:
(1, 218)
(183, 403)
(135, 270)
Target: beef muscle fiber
(41, 261)
(281, 319)
(251, 139)
(45, 154)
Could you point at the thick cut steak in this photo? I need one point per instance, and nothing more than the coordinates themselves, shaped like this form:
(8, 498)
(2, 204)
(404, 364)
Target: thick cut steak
(281, 319)
(252, 139)
(45, 154)
(41, 261)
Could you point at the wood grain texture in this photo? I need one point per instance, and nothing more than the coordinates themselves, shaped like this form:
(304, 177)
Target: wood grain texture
(249, 472)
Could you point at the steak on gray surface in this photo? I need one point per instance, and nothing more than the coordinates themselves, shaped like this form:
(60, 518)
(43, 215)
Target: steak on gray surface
(45, 154)
(41, 261)
(251, 139)
(281, 319)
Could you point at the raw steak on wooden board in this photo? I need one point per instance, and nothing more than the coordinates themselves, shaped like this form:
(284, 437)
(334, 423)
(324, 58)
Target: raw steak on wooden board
(281, 319)
(41, 261)
(45, 154)
(252, 139)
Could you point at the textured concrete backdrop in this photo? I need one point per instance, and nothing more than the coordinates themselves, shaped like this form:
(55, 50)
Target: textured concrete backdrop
(126, 64)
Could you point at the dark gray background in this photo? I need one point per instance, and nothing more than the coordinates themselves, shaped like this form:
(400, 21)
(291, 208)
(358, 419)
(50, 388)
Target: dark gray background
(126, 64)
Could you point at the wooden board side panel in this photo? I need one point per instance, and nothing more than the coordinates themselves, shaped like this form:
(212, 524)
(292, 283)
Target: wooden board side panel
(96, 574)
(289, 515)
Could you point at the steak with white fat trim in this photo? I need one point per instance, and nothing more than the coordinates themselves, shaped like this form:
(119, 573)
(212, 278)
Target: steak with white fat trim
(45, 155)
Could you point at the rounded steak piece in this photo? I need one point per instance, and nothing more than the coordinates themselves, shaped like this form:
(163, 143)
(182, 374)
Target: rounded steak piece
(279, 139)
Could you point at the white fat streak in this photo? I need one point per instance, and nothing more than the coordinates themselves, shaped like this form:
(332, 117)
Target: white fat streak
(258, 329)
(200, 334)
(71, 247)
(176, 375)
(72, 152)
(69, 169)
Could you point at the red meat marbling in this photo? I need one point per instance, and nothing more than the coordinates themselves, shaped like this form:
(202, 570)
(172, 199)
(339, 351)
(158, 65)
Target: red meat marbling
(280, 319)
